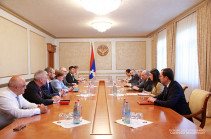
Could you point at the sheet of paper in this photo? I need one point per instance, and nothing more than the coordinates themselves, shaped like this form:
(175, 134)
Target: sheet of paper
(116, 95)
(69, 123)
(134, 123)
(143, 94)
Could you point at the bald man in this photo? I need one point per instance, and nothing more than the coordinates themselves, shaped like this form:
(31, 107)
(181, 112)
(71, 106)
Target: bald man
(13, 105)
(147, 83)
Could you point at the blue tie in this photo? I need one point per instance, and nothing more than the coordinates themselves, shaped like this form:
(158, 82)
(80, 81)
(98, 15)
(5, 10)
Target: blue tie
(50, 88)
(18, 102)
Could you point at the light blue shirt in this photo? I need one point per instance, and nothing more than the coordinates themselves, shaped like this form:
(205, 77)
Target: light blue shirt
(57, 85)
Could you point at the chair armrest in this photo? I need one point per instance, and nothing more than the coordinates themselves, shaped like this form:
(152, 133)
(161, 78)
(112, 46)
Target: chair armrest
(193, 115)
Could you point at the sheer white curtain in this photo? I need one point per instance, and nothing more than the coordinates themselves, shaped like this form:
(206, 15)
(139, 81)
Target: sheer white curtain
(186, 66)
(161, 50)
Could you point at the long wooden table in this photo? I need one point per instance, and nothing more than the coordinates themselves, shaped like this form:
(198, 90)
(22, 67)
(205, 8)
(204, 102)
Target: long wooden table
(166, 122)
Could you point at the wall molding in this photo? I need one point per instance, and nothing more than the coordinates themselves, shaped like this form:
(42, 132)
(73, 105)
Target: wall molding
(179, 17)
(25, 20)
(6, 84)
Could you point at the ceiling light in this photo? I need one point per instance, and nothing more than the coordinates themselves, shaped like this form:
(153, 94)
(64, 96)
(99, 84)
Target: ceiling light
(102, 25)
(101, 7)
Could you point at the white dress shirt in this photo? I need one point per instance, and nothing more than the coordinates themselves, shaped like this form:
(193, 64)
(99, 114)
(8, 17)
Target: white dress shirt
(9, 108)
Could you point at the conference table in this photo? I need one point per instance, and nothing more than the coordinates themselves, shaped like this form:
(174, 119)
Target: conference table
(102, 110)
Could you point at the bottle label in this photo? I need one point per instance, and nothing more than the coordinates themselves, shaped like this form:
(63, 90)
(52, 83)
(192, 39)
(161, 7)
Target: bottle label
(76, 118)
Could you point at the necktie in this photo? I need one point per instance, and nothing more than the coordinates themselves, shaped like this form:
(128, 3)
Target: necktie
(73, 77)
(165, 92)
(49, 87)
(40, 92)
(18, 102)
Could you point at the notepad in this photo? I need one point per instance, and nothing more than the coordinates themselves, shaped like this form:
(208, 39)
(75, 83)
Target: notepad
(75, 90)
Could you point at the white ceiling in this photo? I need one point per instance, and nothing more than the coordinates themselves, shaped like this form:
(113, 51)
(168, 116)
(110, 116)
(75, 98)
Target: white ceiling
(67, 18)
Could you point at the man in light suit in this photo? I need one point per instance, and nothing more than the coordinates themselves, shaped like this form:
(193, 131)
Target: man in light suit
(173, 95)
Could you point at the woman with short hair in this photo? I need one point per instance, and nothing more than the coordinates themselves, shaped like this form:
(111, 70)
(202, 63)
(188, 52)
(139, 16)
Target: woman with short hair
(57, 83)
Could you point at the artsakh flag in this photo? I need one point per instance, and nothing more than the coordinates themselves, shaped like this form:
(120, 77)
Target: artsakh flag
(92, 65)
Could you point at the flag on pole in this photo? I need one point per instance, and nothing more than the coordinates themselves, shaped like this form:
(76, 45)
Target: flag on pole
(92, 65)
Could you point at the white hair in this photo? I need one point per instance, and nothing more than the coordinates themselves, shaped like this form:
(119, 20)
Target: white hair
(39, 75)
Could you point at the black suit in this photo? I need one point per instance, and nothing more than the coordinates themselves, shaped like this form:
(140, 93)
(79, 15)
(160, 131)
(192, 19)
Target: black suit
(49, 90)
(145, 85)
(66, 83)
(32, 94)
(134, 79)
(173, 97)
(70, 79)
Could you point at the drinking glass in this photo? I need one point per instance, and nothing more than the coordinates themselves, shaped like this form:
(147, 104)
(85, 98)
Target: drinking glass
(139, 116)
(133, 115)
(69, 116)
(62, 116)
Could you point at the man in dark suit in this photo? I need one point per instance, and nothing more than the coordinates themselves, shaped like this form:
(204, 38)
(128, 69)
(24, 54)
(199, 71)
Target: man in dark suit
(63, 69)
(47, 88)
(33, 92)
(70, 76)
(173, 95)
(146, 84)
(135, 78)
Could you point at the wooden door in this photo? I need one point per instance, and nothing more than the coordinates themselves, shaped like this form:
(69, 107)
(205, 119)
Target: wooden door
(51, 50)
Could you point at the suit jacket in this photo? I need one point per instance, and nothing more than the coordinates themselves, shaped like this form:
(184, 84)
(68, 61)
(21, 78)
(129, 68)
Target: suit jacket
(134, 79)
(139, 83)
(157, 90)
(173, 97)
(66, 83)
(70, 79)
(147, 85)
(49, 90)
(32, 94)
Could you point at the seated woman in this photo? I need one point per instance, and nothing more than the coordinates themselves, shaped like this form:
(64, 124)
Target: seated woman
(57, 83)
(157, 87)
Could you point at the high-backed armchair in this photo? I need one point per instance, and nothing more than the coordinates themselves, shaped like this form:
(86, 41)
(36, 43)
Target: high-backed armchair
(198, 105)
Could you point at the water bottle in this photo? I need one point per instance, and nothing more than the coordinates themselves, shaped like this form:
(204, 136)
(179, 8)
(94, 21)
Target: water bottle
(80, 109)
(108, 78)
(111, 81)
(89, 88)
(127, 114)
(123, 109)
(114, 89)
(76, 114)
